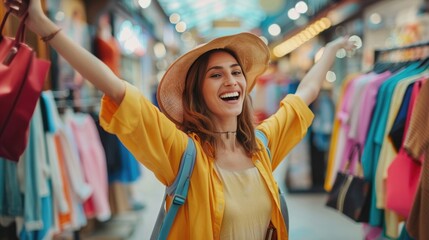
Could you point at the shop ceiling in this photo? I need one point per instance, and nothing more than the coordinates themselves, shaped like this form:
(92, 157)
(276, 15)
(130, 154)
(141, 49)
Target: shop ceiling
(213, 18)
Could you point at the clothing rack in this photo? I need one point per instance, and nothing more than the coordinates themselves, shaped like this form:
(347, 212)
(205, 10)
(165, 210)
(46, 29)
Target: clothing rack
(65, 99)
(61, 93)
(84, 102)
(416, 51)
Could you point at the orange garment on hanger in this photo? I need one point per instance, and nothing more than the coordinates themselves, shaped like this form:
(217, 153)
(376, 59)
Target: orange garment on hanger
(109, 52)
(64, 218)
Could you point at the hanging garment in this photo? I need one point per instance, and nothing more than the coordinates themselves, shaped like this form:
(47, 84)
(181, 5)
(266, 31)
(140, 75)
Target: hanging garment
(387, 154)
(339, 135)
(108, 50)
(330, 172)
(375, 135)
(38, 219)
(93, 162)
(403, 173)
(416, 144)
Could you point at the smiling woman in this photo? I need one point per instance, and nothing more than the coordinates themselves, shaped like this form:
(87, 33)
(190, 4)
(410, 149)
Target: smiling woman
(202, 95)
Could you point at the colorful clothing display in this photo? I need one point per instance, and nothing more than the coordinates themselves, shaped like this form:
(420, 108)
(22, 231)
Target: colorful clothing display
(366, 115)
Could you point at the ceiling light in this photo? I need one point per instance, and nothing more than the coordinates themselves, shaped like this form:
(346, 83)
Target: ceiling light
(375, 18)
(174, 18)
(293, 14)
(181, 27)
(331, 76)
(301, 7)
(159, 50)
(144, 3)
(325, 23)
(303, 36)
(59, 16)
(274, 30)
(312, 31)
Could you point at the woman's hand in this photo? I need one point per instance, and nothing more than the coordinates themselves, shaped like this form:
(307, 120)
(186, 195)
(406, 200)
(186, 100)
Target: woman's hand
(17, 7)
(311, 84)
(89, 66)
(36, 17)
(342, 42)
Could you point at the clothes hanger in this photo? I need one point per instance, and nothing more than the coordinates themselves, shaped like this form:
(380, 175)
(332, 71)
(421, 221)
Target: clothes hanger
(424, 63)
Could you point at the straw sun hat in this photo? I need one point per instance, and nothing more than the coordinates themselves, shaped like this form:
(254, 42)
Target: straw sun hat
(252, 53)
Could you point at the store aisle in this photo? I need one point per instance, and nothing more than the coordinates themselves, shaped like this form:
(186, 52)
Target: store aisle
(309, 218)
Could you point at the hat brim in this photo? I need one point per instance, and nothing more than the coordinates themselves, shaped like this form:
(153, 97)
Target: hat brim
(252, 53)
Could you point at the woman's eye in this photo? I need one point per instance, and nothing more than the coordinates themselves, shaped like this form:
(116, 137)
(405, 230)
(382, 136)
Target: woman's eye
(215, 75)
(236, 73)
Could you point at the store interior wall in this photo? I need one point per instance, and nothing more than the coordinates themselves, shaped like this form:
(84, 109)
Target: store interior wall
(394, 14)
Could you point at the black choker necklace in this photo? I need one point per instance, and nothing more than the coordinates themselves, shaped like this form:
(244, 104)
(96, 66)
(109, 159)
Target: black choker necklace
(227, 133)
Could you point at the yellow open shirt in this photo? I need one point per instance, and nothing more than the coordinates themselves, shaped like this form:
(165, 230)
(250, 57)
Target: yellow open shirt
(156, 142)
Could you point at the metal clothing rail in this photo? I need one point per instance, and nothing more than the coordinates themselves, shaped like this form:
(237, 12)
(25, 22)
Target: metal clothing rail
(414, 45)
(404, 50)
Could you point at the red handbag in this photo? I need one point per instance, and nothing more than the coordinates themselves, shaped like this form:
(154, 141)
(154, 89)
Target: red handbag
(403, 177)
(22, 76)
(403, 174)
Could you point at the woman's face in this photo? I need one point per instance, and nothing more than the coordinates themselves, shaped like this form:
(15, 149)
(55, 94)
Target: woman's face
(224, 86)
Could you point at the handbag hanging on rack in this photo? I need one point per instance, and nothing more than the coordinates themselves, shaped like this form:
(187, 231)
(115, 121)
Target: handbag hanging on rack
(350, 193)
(22, 76)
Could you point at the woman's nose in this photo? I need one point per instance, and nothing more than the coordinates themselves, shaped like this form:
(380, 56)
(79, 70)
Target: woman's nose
(230, 81)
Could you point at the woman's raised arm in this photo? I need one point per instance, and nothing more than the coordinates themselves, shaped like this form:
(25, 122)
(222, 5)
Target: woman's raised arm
(89, 66)
(311, 84)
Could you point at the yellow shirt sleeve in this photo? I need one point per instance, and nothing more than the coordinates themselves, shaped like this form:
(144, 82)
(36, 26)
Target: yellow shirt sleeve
(147, 133)
(286, 127)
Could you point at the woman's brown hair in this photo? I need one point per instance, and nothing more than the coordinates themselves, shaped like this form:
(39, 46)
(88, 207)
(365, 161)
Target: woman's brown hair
(196, 113)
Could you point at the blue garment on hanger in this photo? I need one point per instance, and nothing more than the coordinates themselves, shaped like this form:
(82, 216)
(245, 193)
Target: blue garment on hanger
(324, 113)
(404, 235)
(130, 167)
(397, 131)
(47, 219)
(11, 202)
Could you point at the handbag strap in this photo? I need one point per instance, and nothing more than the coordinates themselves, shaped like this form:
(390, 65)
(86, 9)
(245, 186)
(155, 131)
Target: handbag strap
(20, 33)
(178, 190)
(19, 38)
(261, 136)
(355, 149)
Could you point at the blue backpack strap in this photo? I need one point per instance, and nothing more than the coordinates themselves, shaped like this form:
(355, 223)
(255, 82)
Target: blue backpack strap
(179, 191)
(261, 136)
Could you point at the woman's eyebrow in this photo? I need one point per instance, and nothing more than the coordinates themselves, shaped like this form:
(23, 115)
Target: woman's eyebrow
(220, 67)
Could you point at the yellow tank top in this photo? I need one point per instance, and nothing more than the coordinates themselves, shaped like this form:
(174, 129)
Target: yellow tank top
(247, 205)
